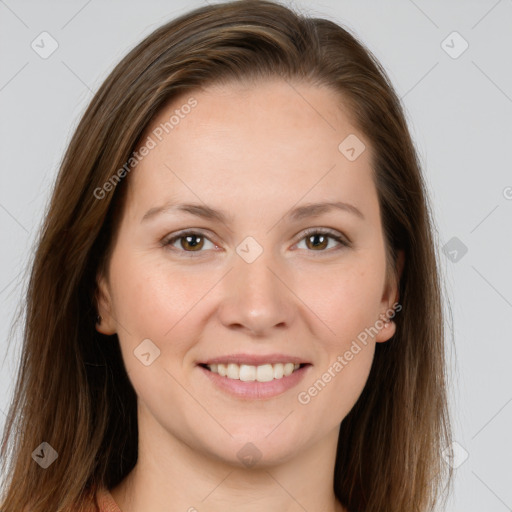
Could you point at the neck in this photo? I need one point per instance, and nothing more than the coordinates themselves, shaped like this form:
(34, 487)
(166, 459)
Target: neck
(171, 475)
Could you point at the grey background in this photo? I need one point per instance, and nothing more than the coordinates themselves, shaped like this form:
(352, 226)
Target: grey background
(459, 111)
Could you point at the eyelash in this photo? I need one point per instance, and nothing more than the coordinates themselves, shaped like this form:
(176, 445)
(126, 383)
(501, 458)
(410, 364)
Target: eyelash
(167, 242)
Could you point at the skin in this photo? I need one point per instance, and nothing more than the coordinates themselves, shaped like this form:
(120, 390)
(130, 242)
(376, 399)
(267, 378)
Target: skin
(256, 152)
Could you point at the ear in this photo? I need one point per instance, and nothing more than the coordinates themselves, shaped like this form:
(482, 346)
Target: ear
(107, 324)
(390, 305)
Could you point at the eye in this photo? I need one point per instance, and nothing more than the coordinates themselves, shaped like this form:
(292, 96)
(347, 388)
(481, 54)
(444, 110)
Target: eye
(189, 242)
(317, 240)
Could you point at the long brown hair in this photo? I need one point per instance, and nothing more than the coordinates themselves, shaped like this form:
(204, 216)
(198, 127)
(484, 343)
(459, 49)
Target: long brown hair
(72, 390)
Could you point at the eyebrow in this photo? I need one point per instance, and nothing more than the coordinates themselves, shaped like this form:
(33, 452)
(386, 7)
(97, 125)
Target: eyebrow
(206, 212)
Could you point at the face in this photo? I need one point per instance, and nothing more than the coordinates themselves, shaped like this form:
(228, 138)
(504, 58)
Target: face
(252, 274)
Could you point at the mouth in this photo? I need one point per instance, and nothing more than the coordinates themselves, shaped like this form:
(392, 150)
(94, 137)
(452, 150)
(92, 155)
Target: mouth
(258, 381)
(266, 372)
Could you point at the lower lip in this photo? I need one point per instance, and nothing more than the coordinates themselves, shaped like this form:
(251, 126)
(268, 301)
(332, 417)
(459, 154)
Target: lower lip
(254, 390)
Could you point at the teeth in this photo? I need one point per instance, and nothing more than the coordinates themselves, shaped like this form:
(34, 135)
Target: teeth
(248, 373)
(233, 371)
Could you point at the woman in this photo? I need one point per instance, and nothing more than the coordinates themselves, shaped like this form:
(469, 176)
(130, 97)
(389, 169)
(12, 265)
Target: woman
(235, 302)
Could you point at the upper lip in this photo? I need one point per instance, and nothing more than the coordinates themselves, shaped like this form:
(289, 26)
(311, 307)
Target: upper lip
(255, 360)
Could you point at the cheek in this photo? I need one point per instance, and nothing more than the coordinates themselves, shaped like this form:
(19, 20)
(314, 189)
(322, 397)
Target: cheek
(346, 297)
(338, 380)
(348, 305)
(152, 302)
(149, 295)
(334, 387)
(352, 376)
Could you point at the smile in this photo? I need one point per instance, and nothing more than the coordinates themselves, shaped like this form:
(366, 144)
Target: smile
(248, 373)
(251, 382)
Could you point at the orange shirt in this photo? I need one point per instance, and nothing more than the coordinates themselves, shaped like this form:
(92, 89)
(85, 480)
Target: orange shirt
(105, 502)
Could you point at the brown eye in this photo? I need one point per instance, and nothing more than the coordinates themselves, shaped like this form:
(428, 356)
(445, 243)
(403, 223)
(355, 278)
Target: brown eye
(187, 242)
(317, 241)
(192, 242)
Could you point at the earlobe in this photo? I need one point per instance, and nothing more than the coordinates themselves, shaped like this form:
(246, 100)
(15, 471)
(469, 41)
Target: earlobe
(386, 331)
(388, 326)
(105, 323)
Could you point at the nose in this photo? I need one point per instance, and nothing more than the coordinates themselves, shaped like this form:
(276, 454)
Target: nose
(257, 297)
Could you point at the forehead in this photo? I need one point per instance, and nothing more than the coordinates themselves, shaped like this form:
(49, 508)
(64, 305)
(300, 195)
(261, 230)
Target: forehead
(250, 144)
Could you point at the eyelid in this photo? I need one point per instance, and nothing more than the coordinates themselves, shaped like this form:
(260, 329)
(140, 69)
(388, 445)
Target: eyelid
(333, 233)
(170, 239)
(338, 236)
